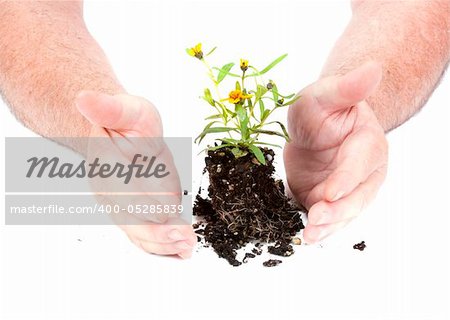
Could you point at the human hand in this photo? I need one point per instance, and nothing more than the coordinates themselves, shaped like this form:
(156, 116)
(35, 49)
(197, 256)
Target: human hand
(337, 158)
(134, 117)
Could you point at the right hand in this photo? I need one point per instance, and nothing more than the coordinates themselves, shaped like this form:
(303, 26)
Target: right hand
(337, 158)
(129, 116)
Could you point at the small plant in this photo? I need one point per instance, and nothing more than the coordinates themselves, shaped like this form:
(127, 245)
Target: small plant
(246, 204)
(244, 114)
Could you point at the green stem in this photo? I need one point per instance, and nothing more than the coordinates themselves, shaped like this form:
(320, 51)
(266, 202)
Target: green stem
(211, 75)
(261, 124)
(216, 86)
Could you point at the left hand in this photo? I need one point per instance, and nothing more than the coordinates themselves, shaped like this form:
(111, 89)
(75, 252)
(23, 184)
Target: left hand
(131, 117)
(337, 158)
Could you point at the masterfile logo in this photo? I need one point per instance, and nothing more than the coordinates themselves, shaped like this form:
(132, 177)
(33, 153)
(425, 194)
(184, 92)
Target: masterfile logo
(114, 181)
(54, 169)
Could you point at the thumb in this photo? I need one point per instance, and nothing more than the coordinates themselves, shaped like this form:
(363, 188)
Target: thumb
(120, 112)
(339, 92)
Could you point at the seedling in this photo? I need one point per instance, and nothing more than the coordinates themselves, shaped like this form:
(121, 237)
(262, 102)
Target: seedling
(243, 116)
(246, 205)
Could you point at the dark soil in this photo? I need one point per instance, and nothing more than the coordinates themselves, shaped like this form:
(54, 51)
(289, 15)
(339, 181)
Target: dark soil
(247, 256)
(271, 263)
(281, 249)
(360, 246)
(245, 204)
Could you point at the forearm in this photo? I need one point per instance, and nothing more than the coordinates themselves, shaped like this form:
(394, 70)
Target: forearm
(412, 42)
(47, 56)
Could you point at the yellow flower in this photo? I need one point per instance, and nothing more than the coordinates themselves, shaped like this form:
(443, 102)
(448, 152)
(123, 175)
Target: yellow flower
(196, 51)
(244, 65)
(236, 96)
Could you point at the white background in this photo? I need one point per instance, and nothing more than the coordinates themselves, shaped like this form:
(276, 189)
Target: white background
(404, 272)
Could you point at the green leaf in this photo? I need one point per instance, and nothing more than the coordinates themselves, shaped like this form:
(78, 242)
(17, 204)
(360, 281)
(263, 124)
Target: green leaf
(286, 97)
(208, 97)
(249, 103)
(224, 71)
(208, 130)
(238, 85)
(267, 144)
(264, 115)
(237, 152)
(243, 121)
(273, 64)
(275, 94)
(250, 107)
(270, 66)
(291, 101)
(258, 153)
(283, 128)
(219, 129)
(220, 147)
(204, 98)
(267, 97)
(229, 141)
(261, 109)
(214, 116)
(211, 51)
(225, 110)
(254, 74)
(202, 135)
(270, 132)
(260, 91)
(227, 73)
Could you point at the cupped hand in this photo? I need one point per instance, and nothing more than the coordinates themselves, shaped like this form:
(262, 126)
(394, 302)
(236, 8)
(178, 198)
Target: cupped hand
(337, 158)
(125, 116)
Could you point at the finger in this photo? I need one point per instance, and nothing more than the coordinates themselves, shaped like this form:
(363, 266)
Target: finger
(325, 212)
(360, 155)
(338, 92)
(107, 111)
(185, 254)
(313, 234)
(161, 233)
(163, 248)
(120, 112)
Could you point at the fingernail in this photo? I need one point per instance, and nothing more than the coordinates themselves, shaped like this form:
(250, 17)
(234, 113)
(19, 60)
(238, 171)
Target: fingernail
(185, 255)
(319, 218)
(308, 240)
(183, 245)
(323, 217)
(176, 235)
(338, 195)
(323, 234)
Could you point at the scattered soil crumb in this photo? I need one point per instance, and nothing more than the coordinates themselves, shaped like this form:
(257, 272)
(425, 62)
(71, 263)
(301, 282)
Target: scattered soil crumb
(360, 246)
(247, 256)
(256, 251)
(281, 249)
(271, 263)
